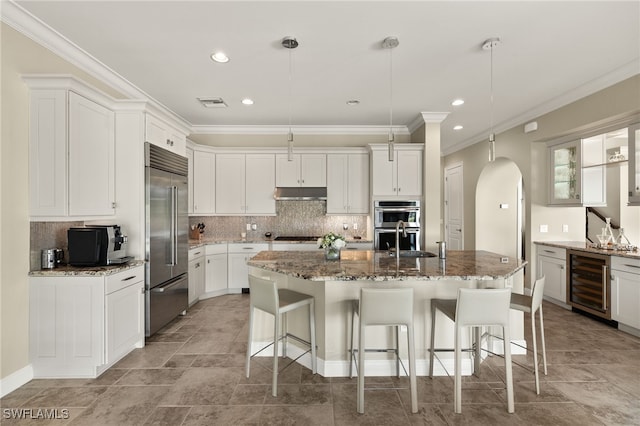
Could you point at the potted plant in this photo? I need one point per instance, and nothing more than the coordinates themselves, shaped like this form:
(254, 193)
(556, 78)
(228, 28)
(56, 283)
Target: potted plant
(332, 244)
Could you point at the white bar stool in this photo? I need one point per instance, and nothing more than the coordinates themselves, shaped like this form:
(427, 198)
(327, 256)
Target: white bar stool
(387, 307)
(475, 308)
(265, 295)
(532, 304)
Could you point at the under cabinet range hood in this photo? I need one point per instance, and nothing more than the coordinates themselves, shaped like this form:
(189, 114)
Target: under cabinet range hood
(288, 193)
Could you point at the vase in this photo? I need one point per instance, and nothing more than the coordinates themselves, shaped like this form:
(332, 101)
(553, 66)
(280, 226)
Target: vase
(331, 253)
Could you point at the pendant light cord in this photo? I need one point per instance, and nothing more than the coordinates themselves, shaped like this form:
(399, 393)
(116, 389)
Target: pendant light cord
(492, 136)
(391, 95)
(290, 93)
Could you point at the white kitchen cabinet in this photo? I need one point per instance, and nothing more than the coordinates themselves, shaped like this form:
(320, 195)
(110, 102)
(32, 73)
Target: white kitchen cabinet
(401, 178)
(238, 271)
(190, 181)
(634, 165)
(216, 270)
(304, 170)
(625, 292)
(551, 262)
(577, 173)
(71, 155)
(204, 182)
(348, 184)
(196, 274)
(81, 325)
(245, 184)
(164, 135)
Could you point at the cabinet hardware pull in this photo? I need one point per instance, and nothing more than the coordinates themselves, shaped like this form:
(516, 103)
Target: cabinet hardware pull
(129, 278)
(631, 266)
(549, 251)
(604, 287)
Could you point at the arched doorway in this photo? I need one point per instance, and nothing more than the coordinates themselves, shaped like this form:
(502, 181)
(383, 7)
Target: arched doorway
(500, 209)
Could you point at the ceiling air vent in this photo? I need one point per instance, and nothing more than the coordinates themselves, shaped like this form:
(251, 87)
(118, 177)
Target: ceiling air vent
(212, 102)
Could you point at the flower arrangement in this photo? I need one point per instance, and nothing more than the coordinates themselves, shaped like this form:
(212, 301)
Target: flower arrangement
(332, 243)
(332, 240)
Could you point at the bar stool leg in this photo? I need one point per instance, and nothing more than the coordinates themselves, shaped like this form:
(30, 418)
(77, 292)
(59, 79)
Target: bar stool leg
(508, 370)
(457, 397)
(477, 353)
(353, 328)
(412, 369)
(276, 328)
(397, 351)
(433, 340)
(312, 334)
(248, 363)
(361, 352)
(535, 350)
(544, 349)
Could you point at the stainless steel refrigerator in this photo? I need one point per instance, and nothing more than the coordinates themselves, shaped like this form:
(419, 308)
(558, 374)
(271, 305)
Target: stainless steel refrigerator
(167, 237)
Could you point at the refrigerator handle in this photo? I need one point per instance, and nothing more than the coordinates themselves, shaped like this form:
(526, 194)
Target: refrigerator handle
(174, 225)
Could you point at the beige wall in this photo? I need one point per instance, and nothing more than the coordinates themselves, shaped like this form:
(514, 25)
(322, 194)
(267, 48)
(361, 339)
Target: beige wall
(19, 56)
(529, 153)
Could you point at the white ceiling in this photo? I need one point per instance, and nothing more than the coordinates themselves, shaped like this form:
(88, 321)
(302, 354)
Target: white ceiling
(551, 53)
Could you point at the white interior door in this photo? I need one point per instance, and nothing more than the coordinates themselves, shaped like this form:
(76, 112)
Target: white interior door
(453, 207)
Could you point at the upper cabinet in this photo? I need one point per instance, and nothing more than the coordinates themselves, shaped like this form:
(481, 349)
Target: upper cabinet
(245, 184)
(164, 135)
(189, 152)
(204, 182)
(71, 155)
(348, 183)
(400, 178)
(634, 165)
(303, 170)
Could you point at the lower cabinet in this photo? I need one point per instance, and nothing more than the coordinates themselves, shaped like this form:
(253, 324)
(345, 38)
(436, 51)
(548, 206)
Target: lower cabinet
(625, 291)
(238, 271)
(552, 264)
(196, 274)
(216, 270)
(81, 325)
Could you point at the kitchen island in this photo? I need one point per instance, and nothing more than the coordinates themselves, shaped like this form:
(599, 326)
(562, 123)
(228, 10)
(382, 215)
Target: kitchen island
(335, 284)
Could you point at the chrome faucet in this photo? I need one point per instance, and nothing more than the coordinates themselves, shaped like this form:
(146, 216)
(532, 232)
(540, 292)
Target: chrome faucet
(404, 235)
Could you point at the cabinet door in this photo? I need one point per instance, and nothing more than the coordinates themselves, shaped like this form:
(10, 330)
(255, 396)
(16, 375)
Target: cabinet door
(125, 320)
(565, 174)
(383, 173)
(196, 279)
(48, 153)
(338, 183)
(260, 184)
(358, 184)
(190, 181)
(287, 172)
(409, 169)
(216, 273)
(230, 183)
(593, 171)
(625, 298)
(91, 158)
(238, 270)
(204, 182)
(313, 170)
(634, 165)
(555, 277)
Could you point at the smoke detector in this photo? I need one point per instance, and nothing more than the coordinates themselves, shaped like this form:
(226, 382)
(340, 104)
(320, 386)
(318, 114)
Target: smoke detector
(212, 102)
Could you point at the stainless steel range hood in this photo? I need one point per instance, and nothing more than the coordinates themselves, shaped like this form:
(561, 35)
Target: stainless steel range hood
(288, 193)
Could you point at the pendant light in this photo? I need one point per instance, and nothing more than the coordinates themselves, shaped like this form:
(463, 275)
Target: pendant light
(290, 43)
(390, 43)
(489, 45)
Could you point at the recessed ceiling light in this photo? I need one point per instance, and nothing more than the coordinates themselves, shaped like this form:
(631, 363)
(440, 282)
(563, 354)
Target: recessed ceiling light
(219, 57)
(458, 127)
(353, 102)
(457, 102)
(247, 101)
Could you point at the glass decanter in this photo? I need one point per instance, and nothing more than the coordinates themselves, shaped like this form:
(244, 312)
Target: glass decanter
(608, 232)
(622, 242)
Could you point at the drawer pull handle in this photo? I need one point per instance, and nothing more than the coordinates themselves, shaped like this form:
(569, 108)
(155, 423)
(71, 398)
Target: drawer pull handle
(549, 251)
(129, 278)
(631, 266)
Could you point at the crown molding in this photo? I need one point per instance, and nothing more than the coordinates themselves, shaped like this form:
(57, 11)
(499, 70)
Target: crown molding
(32, 27)
(300, 130)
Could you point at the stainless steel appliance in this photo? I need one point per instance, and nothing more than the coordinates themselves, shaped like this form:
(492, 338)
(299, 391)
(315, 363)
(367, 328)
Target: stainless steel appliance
(97, 245)
(48, 259)
(589, 283)
(386, 216)
(167, 237)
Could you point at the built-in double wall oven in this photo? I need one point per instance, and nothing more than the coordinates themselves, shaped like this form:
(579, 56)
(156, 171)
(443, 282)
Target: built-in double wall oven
(386, 217)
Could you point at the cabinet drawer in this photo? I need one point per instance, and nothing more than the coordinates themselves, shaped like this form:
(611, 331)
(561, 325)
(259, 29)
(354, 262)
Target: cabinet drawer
(216, 249)
(196, 253)
(555, 252)
(625, 264)
(123, 279)
(247, 247)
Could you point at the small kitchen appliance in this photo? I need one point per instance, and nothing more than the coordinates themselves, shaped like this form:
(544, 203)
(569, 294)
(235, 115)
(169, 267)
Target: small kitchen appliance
(97, 245)
(48, 259)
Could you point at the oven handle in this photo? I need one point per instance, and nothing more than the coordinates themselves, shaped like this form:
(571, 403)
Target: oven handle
(397, 209)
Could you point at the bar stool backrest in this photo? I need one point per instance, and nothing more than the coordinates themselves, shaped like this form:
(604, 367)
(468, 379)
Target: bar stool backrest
(537, 293)
(264, 294)
(386, 306)
(483, 307)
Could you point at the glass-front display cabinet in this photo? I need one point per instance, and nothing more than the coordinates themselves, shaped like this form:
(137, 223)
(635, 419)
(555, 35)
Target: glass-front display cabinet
(565, 174)
(634, 165)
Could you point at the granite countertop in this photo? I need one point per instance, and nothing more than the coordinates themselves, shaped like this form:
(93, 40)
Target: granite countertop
(193, 243)
(379, 266)
(586, 247)
(70, 271)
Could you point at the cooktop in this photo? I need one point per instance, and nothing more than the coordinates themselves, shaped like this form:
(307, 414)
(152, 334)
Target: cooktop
(295, 238)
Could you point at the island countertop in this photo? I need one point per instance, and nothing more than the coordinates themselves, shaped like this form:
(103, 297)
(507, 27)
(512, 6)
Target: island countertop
(370, 265)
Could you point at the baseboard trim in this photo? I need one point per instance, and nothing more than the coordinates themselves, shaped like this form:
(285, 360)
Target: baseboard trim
(16, 379)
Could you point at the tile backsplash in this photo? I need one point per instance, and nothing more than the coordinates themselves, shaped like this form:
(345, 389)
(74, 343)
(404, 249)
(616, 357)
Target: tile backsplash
(46, 235)
(292, 218)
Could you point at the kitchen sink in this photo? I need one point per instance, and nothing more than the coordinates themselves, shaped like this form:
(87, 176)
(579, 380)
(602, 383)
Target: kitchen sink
(413, 253)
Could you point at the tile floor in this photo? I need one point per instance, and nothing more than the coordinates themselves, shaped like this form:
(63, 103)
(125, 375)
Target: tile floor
(191, 373)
